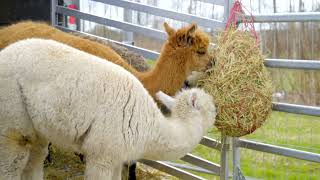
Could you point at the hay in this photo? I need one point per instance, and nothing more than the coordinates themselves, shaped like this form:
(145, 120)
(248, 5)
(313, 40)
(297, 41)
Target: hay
(64, 165)
(145, 172)
(239, 83)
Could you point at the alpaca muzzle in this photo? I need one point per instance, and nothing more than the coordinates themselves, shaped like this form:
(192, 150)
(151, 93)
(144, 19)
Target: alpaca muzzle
(211, 63)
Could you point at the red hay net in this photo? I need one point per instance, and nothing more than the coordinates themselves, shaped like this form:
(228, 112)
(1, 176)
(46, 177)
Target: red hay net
(237, 16)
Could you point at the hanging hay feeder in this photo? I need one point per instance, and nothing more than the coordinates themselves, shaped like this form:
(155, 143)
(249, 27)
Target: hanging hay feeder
(239, 83)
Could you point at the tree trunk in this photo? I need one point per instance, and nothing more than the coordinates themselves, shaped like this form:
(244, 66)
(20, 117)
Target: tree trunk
(275, 53)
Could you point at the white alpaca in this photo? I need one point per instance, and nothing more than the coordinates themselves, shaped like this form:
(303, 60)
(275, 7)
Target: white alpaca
(79, 102)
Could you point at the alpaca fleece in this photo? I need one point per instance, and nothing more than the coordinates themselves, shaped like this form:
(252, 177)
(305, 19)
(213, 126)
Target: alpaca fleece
(79, 102)
(184, 51)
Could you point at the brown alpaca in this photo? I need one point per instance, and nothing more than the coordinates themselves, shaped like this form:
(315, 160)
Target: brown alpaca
(184, 51)
(29, 29)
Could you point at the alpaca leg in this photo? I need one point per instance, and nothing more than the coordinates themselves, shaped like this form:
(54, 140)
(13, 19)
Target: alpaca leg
(96, 169)
(132, 171)
(34, 167)
(117, 172)
(16, 130)
(13, 159)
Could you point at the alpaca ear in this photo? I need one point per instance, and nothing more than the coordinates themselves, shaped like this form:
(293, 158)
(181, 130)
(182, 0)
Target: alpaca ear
(170, 31)
(187, 38)
(165, 99)
(193, 27)
(193, 99)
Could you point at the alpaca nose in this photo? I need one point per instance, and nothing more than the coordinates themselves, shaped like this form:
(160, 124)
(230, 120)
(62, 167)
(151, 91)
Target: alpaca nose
(211, 62)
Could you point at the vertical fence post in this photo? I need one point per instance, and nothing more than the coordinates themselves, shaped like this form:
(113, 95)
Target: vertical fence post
(77, 3)
(235, 158)
(128, 14)
(227, 7)
(54, 3)
(224, 171)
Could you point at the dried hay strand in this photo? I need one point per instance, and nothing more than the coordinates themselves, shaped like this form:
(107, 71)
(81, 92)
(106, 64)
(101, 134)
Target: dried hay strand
(239, 83)
(145, 172)
(64, 165)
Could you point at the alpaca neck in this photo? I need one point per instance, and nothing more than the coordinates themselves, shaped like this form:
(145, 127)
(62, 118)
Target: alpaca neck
(168, 75)
(175, 138)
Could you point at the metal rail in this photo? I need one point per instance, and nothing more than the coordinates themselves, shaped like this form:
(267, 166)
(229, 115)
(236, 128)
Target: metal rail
(171, 170)
(288, 152)
(293, 64)
(286, 17)
(202, 21)
(203, 163)
(54, 4)
(191, 168)
(113, 23)
(296, 109)
(215, 2)
(211, 143)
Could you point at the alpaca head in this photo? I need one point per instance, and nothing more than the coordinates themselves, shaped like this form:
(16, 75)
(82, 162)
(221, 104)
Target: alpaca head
(189, 44)
(190, 103)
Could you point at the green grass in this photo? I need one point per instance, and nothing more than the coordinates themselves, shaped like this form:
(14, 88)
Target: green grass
(151, 62)
(283, 129)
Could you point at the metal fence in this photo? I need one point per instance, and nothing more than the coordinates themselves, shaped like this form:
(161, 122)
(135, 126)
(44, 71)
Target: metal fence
(227, 143)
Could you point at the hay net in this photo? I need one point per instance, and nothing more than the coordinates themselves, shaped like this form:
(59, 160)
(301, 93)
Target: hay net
(239, 82)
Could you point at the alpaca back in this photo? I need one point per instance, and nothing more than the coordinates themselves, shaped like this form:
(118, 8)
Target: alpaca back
(28, 29)
(68, 92)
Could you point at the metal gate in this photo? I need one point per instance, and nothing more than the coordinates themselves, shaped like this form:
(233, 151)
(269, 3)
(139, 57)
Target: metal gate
(227, 143)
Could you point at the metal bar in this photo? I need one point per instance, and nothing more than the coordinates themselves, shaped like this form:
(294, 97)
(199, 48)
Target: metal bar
(77, 2)
(272, 63)
(224, 170)
(145, 52)
(286, 17)
(296, 109)
(227, 7)
(293, 64)
(268, 148)
(215, 2)
(127, 14)
(54, 4)
(113, 23)
(202, 21)
(171, 170)
(152, 55)
(236, 158)
(192, 168)
(211, 143)
(203, 163)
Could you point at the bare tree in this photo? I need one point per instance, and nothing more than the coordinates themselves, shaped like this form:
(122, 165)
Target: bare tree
(190, 7)
(301, 34)
(275, 53)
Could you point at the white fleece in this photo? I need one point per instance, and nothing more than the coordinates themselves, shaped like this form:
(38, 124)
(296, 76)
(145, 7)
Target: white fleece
(50, 92)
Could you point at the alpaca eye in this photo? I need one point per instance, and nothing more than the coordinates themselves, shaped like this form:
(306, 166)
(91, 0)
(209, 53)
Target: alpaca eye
(201, 52)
